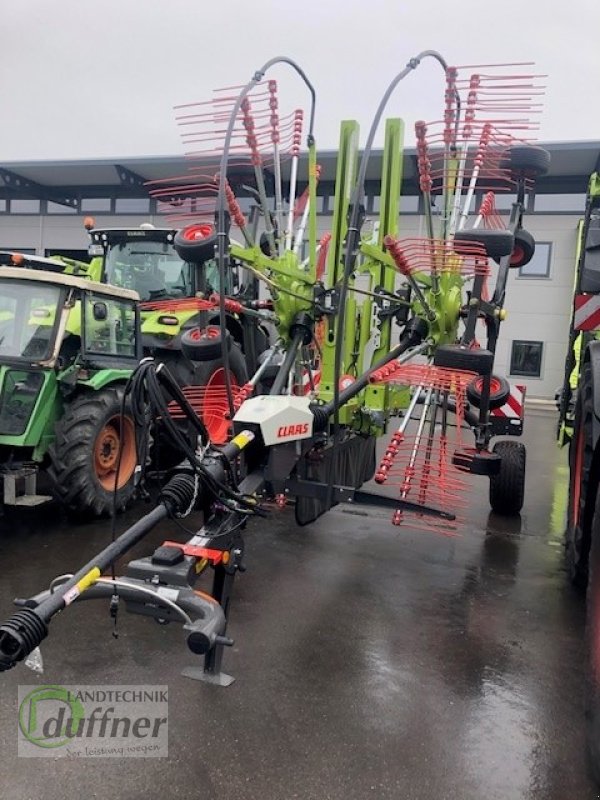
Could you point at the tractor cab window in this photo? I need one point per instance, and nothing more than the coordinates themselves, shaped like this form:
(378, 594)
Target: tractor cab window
(28, 315)
(211, 272)
(152, 269)
(110, 326)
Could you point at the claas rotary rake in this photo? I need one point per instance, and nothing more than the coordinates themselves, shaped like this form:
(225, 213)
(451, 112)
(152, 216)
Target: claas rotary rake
(370, 326)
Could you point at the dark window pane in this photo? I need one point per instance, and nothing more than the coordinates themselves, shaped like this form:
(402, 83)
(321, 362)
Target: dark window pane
(526, 359)
(59, 208)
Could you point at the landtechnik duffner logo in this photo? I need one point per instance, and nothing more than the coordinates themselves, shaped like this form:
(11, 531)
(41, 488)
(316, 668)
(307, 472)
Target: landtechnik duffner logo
(93, 721)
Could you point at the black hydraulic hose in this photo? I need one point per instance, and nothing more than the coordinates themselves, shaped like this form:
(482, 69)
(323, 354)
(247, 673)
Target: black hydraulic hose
(287, 364)
(222, 233)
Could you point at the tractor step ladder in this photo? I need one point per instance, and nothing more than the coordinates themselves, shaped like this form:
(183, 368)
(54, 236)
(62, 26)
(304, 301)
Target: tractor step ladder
(20, 488)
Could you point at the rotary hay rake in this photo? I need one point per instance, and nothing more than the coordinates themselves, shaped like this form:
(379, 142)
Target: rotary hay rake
(333, 299)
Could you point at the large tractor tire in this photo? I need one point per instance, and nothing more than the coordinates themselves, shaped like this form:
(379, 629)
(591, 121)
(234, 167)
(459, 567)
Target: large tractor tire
(580, 508)
(84, 457)
(592, 636)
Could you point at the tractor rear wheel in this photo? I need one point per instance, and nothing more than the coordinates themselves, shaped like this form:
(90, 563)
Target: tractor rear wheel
(94, 449)
(592, 637)
(507, 488)
(580, 507)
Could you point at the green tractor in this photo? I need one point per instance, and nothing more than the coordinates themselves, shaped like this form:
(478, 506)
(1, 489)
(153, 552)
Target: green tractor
(67, 347)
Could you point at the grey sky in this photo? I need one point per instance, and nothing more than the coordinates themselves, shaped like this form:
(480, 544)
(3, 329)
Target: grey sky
(99, 78)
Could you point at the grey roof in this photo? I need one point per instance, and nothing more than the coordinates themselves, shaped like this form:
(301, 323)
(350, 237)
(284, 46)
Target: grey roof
(572, 163)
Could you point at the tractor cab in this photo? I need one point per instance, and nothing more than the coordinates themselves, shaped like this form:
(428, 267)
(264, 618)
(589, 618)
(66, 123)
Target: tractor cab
(55, 330)
(144, 259)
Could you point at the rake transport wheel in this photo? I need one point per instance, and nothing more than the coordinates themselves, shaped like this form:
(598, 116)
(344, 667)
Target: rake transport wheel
(499, 391)
(580, 508)
(496, 243)
(507, 488)
(196, 243)
(523, 250)
(527, 160)
(204, 344)
(85, 454)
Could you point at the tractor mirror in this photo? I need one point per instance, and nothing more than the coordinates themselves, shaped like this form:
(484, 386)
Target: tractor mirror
(100, 312)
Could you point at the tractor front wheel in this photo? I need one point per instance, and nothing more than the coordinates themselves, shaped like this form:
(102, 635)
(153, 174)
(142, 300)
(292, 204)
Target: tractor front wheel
(94, 451)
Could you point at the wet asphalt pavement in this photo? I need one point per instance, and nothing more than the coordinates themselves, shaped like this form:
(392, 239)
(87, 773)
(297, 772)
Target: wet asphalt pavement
(370, 661)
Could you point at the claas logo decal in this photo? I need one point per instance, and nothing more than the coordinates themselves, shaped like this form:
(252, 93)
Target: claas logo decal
(292, 430)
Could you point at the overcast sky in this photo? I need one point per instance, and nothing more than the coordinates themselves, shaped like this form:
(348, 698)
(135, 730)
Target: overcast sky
(99, 78)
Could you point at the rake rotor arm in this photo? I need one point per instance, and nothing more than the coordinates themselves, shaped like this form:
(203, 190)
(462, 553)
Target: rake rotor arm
(221, 224)
(356, 211)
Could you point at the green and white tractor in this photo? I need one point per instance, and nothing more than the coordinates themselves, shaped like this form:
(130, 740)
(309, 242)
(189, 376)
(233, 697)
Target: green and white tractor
(67, 347)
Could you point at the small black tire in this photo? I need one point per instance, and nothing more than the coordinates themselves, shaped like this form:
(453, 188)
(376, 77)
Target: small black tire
(204, 344)
(196, 243)
(83, 458)
(496, 243)
(523, 249)
(507, 488)
(454, 356)
(499, 392)
(527, 161)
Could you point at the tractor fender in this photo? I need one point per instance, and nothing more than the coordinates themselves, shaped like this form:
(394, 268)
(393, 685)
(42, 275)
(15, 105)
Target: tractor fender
(592, 356)
(104, 377)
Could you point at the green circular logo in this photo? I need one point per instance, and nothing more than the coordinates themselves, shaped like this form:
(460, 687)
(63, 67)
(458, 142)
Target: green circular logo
(62, 715)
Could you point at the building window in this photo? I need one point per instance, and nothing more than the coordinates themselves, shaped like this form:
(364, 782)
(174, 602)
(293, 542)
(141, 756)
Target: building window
(409, 203)
(3, 206)
(539, 266)
(96, 204)
(503, 201)
(526, 358)
(60, 208)
(132, 205)
(559, 202)
(79, 255)
(24, 206)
